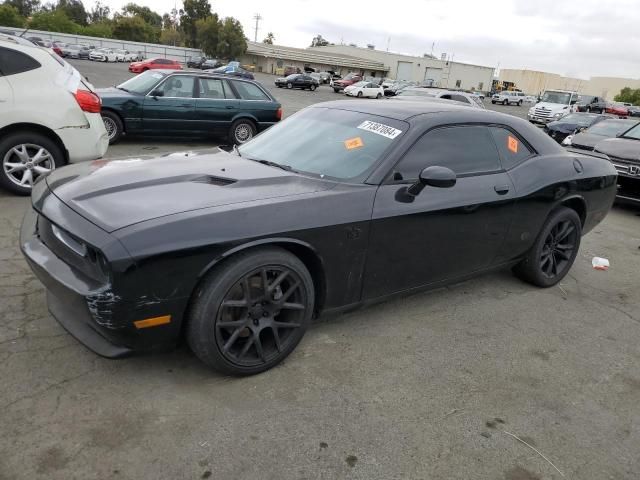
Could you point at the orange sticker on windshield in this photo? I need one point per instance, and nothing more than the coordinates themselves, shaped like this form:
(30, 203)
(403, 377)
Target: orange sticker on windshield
(352, 143)
(512, 143)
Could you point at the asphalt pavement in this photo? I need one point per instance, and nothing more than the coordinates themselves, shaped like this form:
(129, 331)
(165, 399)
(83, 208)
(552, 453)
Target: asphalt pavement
(488, 379)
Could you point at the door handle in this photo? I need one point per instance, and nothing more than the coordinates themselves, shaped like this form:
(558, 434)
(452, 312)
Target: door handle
(229, 107)
(501, 189)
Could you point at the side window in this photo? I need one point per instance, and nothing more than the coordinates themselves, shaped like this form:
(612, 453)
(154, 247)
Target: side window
(180, 86)
(460, 98)
(215, 88)
(249, 91)
(13, 62)
(512, 149)
(464, 149)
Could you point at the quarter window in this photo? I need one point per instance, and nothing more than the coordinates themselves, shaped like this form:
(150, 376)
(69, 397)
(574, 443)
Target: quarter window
(512, 149)
(249, 91)
(13, 62)
(464, 149)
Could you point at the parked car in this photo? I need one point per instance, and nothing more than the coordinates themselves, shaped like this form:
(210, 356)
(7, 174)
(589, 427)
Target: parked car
(571, 124)
(421, 93)
(125, 56)
(50, 116)
(290, 70)
(325, 77)
(608, 128)
(75, 51)
(617, 109)
(624, 153)
(238, 251)
(154, 64)
(364, 89)
(397, 87)
(103, 55)
(297, 80)
(210, 63)
(196, 61)
(634, 111)
(232, 71)
(590, 103)
(196, 104)
(350, 79)
(316, 77)
(508, 98)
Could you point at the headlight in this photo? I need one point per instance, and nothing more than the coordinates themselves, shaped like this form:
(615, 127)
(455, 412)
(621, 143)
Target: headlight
(557, 115)
(568, 139)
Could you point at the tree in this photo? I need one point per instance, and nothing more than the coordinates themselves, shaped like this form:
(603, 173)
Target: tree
(9, 17)
(628, 95)
(25, 7)
(98, 29)
(148, 15)
(134, 29)
(269, 39)
(318, 41)
(55, 21)
(99, 13)
(207, 31)
(231, 39)
(170, 36)
(74, 9)
(193, 11)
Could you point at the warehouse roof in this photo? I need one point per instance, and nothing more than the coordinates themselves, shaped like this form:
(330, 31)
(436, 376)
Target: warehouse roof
(309, 56)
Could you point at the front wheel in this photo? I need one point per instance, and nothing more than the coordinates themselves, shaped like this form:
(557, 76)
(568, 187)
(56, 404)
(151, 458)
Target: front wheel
(493, 102)
(379, 96)
(312, 88)
(554, 251)
(520, 103)
(359, 94)
(251, 312)
(27, 156)
(242, 131)
(506, 102)
(336, 90)
(289, 86)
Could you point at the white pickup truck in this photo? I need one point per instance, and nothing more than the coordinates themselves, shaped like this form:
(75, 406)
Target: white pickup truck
(553, 105)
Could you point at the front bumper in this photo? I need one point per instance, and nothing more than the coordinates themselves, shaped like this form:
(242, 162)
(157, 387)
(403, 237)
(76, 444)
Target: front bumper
(541, 120)
(85, 142)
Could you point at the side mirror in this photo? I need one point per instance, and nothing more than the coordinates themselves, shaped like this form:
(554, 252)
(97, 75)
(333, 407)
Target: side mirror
(157, 93)
(438, 177)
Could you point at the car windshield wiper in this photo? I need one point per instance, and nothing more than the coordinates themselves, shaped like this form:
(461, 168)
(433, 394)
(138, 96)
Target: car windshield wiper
(123, 89)
(273, 164)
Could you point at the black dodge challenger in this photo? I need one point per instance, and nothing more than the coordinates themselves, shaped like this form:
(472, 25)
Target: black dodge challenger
(345, 203)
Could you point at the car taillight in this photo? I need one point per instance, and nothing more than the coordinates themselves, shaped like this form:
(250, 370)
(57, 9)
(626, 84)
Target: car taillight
(88, 101)
(279, 114)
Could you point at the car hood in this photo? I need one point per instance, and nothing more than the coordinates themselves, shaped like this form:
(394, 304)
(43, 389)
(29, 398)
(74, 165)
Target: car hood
(623, 148)
(554, 107)
(564, 127)
(587, 139)
(112, 92)
(119, 193)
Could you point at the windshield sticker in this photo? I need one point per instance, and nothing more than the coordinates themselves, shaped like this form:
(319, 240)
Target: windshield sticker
(352, 143)
(380, 129)
(512, 144)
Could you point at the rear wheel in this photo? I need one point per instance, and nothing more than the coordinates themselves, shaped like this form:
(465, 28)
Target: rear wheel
(27, 156)
(251, 313)
(554, 251)
(113, 125)
(312, 88)
(520, 103)
(379, 96)
(289, 85)
(493, 101)
(336, 90)
(242, 131)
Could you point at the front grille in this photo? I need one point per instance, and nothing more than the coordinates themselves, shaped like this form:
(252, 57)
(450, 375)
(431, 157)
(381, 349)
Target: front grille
(543, 112)
(625, 167)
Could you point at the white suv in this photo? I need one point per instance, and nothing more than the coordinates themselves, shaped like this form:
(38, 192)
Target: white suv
(509, 98)
(49, 115)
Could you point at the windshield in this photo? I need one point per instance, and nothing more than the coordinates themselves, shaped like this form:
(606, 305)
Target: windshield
(580, 119)
(611, 128)
(633, 133)
(141, 84)
(350, 76)
(334, 143)
(562, 98)
(585, 99)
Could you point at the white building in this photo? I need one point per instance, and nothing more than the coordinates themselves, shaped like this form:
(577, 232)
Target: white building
(443, 73)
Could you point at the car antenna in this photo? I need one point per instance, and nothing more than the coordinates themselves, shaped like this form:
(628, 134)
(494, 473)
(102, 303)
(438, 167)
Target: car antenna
(25, 31)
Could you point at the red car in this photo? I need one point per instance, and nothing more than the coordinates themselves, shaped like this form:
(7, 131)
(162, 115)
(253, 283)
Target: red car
(340, 85)
(154, 64)
(617, 109)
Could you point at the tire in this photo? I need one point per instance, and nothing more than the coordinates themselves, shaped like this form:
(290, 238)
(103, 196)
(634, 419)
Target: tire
(114, 126)
(588, 110)
(520, 103)
(336, 90)
(506, 103)
(242, 131)
(544, 269)
(493, 101)
(312, 88)
(359, 94)
(14, 165)
(379, 96)
(244, 340)
(289, 86)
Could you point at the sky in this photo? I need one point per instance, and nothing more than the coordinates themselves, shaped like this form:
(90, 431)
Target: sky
(577, 38)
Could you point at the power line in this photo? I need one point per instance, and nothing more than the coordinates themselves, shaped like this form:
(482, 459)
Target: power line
(257, 17)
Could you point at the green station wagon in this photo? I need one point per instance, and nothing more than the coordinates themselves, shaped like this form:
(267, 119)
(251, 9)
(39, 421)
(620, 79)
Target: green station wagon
(188, 104)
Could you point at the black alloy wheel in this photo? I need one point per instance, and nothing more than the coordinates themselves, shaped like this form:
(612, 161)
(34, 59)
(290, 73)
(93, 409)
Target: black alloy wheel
(251, 313)
(554, 251)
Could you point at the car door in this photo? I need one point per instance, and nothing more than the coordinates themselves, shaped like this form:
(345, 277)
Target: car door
(171, 106)
(442, 233)
(216, 105)
(367, 90)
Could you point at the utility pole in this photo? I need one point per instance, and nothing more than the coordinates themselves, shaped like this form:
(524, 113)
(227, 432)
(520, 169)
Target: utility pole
(257, 17)
(388, 43)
